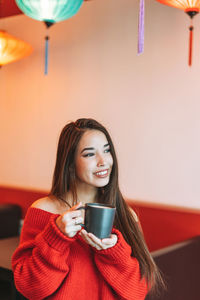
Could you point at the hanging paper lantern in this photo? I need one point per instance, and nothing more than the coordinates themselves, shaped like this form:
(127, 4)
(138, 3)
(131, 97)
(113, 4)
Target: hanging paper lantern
(12, 49)
(49, 10)
(191, 7)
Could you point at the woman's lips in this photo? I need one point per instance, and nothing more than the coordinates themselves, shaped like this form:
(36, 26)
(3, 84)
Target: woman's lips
(101, 174)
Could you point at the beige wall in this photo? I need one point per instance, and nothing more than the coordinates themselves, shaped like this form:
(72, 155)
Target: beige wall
(150, 103)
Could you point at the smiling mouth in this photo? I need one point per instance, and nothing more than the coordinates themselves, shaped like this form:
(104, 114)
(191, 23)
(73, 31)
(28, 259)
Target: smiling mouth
(101, 174)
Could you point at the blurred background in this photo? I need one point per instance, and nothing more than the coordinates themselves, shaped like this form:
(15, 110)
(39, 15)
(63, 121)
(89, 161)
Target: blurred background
(149, 102)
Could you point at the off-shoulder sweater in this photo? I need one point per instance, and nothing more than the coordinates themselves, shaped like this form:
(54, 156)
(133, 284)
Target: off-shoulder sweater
(49, 265)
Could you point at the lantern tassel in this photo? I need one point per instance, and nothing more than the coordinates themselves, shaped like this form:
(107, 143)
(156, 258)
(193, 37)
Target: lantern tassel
(46, 54)
(190, 45)
(141, 28)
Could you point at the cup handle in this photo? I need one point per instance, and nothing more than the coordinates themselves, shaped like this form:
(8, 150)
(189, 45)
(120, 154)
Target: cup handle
(82, 207)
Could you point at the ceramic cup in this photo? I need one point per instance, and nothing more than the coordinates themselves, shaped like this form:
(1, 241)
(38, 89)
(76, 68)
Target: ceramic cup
(99, 219)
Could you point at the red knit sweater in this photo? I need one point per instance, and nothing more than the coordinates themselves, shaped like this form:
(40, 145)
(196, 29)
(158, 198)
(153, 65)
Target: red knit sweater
(49, 265)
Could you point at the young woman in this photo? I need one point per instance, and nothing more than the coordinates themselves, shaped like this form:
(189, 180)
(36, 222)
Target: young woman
(56, 258)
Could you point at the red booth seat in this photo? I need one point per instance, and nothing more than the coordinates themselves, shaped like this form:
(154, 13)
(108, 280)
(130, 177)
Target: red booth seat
(162, 225)
(166, 225)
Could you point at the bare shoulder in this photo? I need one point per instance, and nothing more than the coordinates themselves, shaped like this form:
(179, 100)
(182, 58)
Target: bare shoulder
(47, 204)
(134, 214)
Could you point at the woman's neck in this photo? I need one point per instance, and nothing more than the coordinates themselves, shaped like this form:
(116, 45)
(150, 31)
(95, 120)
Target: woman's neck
(85, 194)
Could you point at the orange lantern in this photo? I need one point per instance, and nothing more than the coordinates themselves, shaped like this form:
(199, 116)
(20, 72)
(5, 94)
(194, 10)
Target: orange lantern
(12, 49)
(191, 7)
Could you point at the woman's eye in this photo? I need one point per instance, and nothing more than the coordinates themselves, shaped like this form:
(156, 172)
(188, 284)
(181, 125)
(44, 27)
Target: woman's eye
(107, 150)
(88, 154)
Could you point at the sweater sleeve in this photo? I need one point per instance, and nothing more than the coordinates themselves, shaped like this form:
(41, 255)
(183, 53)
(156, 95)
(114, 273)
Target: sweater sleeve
(121, 271)
(40, 262)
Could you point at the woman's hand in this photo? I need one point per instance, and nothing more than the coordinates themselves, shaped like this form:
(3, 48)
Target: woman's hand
(99, 244)
(69, 222)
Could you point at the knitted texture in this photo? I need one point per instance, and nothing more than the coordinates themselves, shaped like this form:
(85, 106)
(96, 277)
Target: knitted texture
(49, 265)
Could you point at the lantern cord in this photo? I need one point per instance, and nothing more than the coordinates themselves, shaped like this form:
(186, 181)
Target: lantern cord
(190, 45)
(46, 54)
(141, 28)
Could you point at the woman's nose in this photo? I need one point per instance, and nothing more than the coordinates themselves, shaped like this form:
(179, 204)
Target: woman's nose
(100, 162)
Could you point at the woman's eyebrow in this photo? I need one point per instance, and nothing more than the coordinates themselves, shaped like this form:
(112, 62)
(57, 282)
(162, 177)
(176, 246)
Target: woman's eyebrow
(92, 148)
(85, 149)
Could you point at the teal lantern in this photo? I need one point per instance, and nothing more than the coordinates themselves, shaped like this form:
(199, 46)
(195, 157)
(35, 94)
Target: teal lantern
(50, 12)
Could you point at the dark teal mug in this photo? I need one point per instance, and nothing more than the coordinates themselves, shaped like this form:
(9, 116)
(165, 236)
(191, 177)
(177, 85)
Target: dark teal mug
(99, 219)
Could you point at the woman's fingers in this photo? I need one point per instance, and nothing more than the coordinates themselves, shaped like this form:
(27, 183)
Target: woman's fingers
(69, 222)
(71, 214)
(76, 206)
(78, 221)
(74, 221)
(97, 243)
(72, 230)
(84, 234)
(110, 241)
(95, 239)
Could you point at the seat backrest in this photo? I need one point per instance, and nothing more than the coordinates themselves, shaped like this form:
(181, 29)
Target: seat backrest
(179, 264)
(10, 215)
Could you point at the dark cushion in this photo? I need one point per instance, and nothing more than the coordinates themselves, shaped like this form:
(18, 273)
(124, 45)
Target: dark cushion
(10, 215)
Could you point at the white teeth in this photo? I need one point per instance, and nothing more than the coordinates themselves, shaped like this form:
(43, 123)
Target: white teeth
(102, 173)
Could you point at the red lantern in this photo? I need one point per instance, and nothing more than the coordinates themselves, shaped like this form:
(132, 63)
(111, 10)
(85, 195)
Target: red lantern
(191, 7)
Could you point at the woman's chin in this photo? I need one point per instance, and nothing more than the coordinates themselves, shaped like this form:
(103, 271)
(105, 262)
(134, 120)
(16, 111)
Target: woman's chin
(102, 183)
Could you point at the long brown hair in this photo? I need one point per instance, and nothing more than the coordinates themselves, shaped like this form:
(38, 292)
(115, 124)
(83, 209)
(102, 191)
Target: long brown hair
(64, 180)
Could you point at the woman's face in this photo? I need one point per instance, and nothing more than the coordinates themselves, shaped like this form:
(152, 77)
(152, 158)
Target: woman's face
(93, 161)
